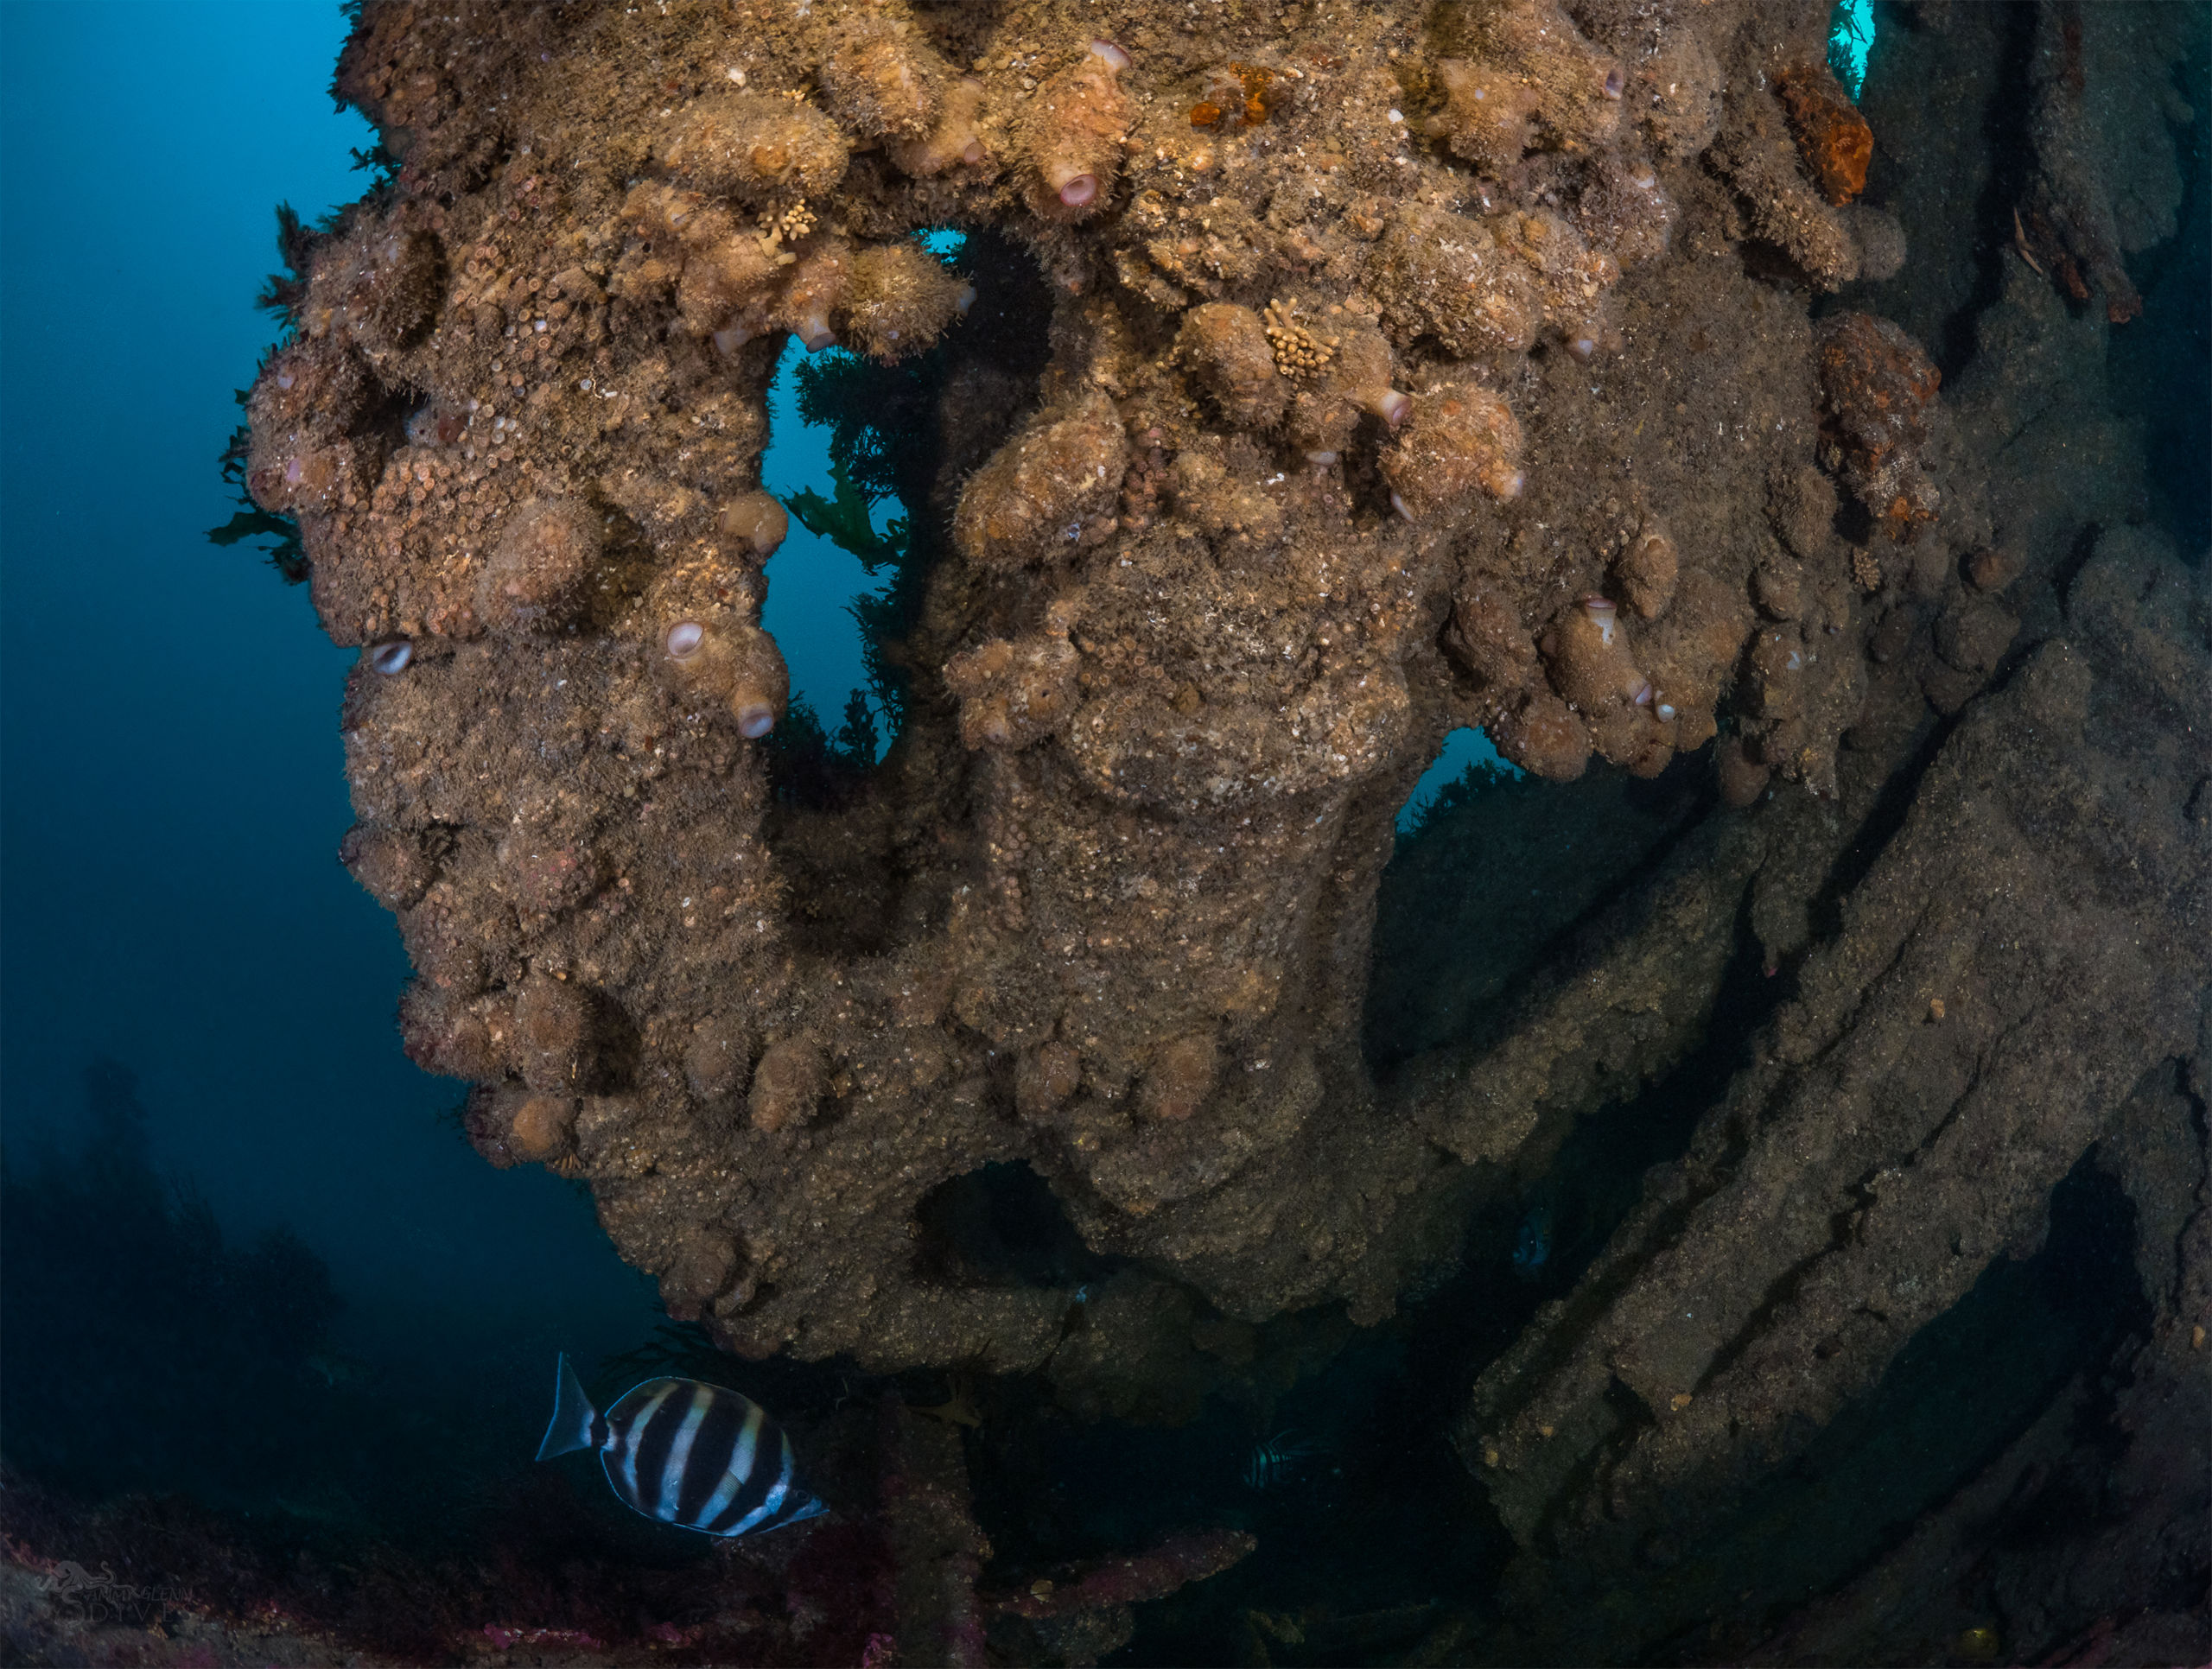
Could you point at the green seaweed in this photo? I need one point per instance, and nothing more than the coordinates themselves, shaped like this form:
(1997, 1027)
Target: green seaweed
(846, 522)
(286, 554)
(1851, 38)
(882, 445)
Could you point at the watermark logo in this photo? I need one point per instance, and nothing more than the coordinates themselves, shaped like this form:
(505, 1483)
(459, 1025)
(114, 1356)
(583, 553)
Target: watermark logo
(100, 1597)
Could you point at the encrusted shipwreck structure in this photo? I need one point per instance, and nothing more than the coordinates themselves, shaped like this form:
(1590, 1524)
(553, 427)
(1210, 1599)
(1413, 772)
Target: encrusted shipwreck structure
(1408, 366)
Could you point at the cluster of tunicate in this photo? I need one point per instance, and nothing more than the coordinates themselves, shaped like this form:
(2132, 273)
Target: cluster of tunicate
(1071, 137)
(1048, 492)
(1527, 77)
(1013, 693)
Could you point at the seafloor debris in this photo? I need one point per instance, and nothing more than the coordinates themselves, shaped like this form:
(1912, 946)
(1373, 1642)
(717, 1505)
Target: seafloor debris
(2066, 224)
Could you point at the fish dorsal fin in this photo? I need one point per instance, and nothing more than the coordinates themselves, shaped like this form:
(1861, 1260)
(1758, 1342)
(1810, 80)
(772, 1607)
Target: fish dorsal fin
(573, 1417)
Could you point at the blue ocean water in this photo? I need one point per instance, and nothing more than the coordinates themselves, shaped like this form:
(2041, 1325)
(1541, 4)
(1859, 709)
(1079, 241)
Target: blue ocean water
(173, 796)
(812, 582)
(1465, 749)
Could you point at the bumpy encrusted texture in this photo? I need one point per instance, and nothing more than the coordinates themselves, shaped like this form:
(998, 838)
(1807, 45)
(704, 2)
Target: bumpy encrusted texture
(1943, 1067)
(1352, 402)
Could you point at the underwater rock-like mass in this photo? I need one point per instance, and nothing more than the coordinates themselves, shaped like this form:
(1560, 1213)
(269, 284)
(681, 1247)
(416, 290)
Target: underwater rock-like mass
(1411, 367)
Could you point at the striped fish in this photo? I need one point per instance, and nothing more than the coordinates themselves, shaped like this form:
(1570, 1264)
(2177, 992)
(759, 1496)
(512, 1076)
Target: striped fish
(686, 1453)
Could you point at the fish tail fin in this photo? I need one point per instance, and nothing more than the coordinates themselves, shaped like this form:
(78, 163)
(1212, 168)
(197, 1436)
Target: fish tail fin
(573, 1417)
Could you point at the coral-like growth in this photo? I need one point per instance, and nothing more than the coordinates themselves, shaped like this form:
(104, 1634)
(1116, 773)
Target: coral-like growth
(1690, 654)
(1646, 570)
(389, 297)
(1543, 736)
(1443, 276)
(1489, 114)
(884, 82)
(1361, 370)
(1227, 347)
(553, 1043)
(756, 147)
(1678, 94)
(1071, 134)
(1588, 655)
(1182, 1076)
(1592, 665)
(1051, 492)
(815, 292)
(787, 1084)
(1011, 694)
(1460, 440)
(541, 1126)
(537, 570)
(1528, 53)
(899, 300)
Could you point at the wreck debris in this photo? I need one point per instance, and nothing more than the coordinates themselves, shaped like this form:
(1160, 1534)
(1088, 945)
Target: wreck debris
(2067, 217)
(1727, 1382)
(720, 1017)
(1537, 443)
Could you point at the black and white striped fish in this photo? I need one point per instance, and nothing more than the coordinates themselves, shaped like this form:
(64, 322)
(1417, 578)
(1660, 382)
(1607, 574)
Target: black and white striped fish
(686, 1453)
